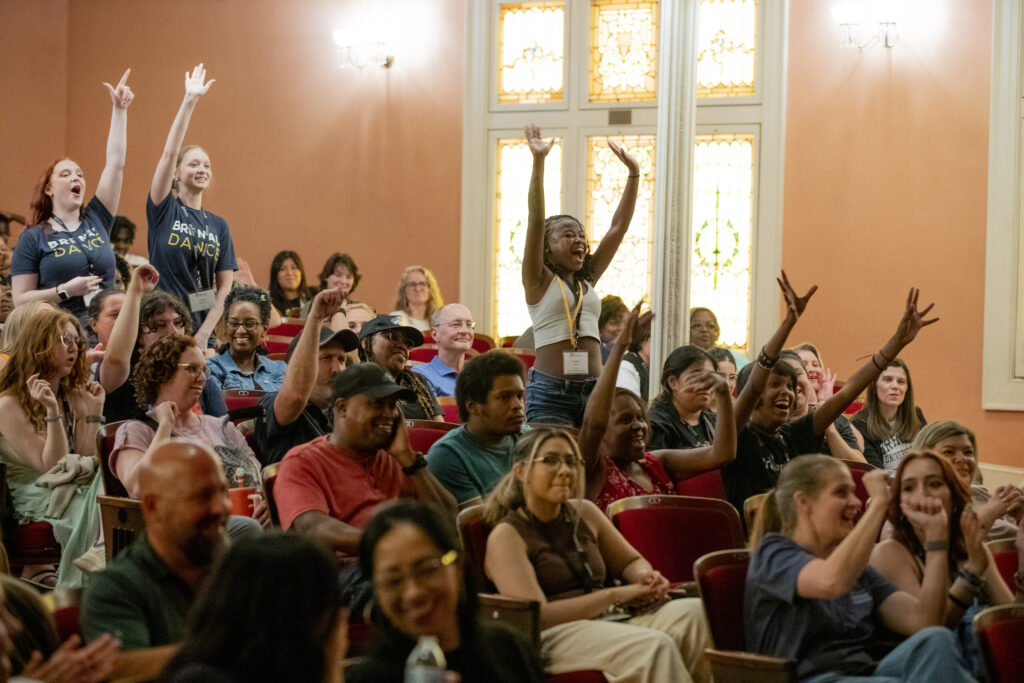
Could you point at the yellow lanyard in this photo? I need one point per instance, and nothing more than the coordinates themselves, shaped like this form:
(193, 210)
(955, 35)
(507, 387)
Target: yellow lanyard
(571, 316)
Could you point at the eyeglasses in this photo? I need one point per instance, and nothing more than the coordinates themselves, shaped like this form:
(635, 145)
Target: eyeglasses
(425, 570)
(710, 327)
(553, 462)
(460, 324)
(416, 285)
(194, 369)
(394, 336)
(249, 324)
(70, 339)
(160, 325)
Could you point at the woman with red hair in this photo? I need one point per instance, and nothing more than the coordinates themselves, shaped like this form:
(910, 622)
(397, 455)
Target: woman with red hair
(65, 254)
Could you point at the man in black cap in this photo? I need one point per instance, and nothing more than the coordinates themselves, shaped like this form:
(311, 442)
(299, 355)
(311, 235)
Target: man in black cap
(329, 488)
(295, 414)
(386, 342)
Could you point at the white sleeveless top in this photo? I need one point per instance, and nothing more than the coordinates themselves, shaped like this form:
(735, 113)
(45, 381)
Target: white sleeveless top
(550, 322)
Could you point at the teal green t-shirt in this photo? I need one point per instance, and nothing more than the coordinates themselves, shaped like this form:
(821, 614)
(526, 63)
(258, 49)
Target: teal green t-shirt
(467, 467)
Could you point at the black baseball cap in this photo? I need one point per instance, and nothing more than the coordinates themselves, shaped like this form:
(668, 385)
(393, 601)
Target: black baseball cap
(383, 323)
(368, 379)
(346, 339)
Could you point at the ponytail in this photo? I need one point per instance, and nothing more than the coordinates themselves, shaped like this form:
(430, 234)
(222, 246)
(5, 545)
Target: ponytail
(767, 520)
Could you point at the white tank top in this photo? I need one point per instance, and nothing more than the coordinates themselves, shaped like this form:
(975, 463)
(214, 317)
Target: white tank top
(550, 322)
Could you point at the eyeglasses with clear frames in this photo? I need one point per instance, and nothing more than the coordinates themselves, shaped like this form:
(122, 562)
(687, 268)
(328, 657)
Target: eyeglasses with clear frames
(249, 324)
(553, 462)
(711, 327)
(70, 339)
(425, 570)
(194, 369)
(460, 324)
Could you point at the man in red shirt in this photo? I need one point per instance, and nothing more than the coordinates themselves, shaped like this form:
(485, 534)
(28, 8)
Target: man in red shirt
(329, 488)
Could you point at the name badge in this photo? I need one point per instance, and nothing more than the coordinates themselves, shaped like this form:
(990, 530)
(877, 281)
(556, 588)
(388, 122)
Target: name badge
(575, 362)
(202, 301)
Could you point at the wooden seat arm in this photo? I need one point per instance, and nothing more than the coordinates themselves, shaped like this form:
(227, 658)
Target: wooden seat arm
(734, 666)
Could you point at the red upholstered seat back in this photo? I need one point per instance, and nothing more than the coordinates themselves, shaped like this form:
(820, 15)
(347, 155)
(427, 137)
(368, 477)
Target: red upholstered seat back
(671, 532)
(706, 485)
(474, 531)
(999, 640)
(721, 578)
(1006, 563)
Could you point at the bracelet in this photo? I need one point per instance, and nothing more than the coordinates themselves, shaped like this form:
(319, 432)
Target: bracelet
(766, 361)
(936, 546)
(418, 464)
(98, 419)
(974, 582)
(958, 601)
(633, 176)
(881, 368)
(887, 359)
(52, 419)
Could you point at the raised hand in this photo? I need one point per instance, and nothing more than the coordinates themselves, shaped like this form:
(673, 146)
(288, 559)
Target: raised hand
(624, 157)
(82, 285)
(631, 326)
(795, 304)
(913, 319)
(42, 393)
(144, 279)
(195, 85)
(974, 533)
(121, 95)
(326, 303)
(243, 276)
(538, 147)
(827, 385)
(876, 482)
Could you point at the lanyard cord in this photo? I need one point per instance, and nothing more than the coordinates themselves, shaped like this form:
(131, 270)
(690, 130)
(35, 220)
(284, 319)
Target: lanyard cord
(87, 253)
(193, 256)
(573, 317)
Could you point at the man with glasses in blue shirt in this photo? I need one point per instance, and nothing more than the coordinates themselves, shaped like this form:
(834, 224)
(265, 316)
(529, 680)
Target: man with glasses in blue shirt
(452, 328)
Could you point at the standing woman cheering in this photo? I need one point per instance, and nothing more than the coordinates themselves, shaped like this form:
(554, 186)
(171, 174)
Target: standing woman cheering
(559, 274)
(188, 245)
(66, 252)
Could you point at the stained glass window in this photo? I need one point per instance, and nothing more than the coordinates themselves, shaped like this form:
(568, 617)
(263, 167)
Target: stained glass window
(723, 204)
(629, 275)
(623, 50)
(530, 52)
(726, 44)
(515, 164)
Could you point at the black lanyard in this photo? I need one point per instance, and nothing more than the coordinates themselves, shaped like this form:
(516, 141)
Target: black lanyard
(69, 420)
(194, 259)
(87, 253)
(577, 563)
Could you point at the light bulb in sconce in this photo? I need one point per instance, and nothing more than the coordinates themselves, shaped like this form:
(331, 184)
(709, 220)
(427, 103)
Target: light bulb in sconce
(353, 54)
(850, 15)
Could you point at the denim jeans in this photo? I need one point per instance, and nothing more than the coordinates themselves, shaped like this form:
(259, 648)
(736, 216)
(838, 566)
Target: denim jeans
(556, 401)
(931, 655)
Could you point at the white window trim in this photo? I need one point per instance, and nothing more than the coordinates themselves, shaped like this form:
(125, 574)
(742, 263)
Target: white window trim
(1002, 386)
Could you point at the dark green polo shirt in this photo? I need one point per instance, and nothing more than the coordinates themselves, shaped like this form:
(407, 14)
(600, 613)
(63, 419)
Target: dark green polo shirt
(137, 599)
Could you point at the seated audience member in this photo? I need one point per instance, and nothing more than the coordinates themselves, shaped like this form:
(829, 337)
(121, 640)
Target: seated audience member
(168, 380)
(242, 365)
(551, 545)
(471, 459)
(144, 595)
(412, 540)
(19, 320)
(823, 383)
(357, 315)
(614, 436)
(289, 292)
(418, 298)
(103, 311)
(122, 236)
(725, 365)
(329, 488)
(385, 342)
(296, 414)
(341, 272)
(1001, 512)
(838, 444)
(811, 596)
(680, 416)
(609, 322)
(705, 331)
(37, 654)
(49, 414)
(452, 329)
(146, 316)
(635, 369)
(259, 619)
(122, 274)
(889, 420)
(931, 515)
(766, 438)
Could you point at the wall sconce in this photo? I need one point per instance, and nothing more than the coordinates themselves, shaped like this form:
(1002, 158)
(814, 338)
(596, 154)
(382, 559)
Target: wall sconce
(362, 55)
(848, 16)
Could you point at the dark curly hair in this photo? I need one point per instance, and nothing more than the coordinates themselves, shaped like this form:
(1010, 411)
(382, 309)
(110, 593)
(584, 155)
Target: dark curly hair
(157, 365)
(338, 259)
(586, 273)
(477, 378)
(156, 302)
(249, 295)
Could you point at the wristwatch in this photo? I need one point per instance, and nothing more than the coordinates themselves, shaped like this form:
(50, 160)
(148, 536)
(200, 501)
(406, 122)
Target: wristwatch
(418, 464)
(61, 293)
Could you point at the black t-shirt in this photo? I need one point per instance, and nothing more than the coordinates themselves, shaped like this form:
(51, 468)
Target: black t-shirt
(669, 431)
(884, 453)
(121, 404)
(761, 455)
(56, 257)
(278, 439)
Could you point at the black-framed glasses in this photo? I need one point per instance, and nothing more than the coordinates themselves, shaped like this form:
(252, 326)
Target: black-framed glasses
(249, 324)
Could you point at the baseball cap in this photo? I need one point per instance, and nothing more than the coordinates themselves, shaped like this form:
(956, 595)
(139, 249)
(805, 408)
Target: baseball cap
(382, 323)
(346, 339)
(368, 379)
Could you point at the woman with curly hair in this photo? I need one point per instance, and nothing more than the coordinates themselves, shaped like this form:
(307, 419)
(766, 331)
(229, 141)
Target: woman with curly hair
(169, 379)
(242, 365)
(289, 291)
(49, 414)
(418, 298)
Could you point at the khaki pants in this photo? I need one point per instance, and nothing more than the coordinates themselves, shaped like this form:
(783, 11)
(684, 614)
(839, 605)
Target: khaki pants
(659, 647)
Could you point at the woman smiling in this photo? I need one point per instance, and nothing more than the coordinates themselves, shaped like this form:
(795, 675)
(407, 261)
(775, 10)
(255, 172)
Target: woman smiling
(242, 365)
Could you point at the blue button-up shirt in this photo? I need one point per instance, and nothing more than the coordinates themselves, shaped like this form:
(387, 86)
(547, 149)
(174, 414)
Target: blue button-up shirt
(268, 375)
(440, 376)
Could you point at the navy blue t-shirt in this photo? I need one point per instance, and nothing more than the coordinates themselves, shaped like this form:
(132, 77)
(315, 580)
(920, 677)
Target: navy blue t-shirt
(187, 247)
(56, 257)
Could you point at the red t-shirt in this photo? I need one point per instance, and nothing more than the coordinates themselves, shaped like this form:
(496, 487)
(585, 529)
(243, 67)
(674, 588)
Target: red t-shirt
(617, 485)
(320, 476)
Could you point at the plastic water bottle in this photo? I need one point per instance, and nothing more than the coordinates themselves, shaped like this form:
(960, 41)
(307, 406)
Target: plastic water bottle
(426, 663)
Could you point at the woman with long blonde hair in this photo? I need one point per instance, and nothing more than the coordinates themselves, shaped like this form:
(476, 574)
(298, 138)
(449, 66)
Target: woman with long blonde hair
(418, 298)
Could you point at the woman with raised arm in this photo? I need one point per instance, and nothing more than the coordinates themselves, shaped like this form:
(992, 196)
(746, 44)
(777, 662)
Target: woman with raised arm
(559, 274)
(614, 435)
(812, 597)
(66, 252)
(190, 246)
(767, 440)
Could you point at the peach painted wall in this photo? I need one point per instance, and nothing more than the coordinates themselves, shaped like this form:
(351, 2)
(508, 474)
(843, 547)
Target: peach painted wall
(305, 156)
(885, 188)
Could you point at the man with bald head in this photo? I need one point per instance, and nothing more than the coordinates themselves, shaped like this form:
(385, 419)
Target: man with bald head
(452, 329)
(144, 595)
